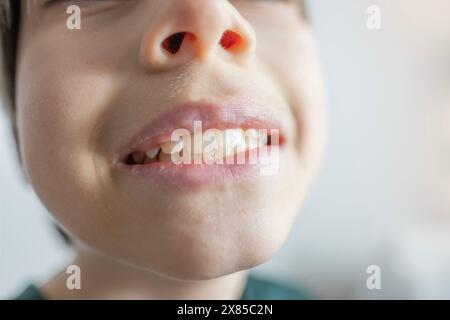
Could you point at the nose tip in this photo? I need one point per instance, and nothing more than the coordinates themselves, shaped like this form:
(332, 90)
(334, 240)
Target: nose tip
(215, 29)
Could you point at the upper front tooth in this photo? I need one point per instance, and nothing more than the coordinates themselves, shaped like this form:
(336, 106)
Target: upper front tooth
(234, 141)
(252, 138)
(212, 145)
(153, 152)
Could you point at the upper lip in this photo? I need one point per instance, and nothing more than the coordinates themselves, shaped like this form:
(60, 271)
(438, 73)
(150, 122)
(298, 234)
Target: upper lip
(233, 114)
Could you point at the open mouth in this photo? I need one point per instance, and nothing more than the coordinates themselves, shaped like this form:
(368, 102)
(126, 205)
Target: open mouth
(211, 147)
(234, 141)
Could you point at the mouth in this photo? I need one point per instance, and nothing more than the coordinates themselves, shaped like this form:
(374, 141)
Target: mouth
(197, 143)
(218, 146)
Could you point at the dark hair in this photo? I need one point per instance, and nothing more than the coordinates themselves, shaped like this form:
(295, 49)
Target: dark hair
(9, 28)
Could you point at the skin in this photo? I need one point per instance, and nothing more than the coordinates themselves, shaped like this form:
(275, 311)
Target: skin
(80, 93)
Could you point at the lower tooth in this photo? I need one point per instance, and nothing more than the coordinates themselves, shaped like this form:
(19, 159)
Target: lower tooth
(148, 160)
(152, 153)
(172, 146)
(165, 157)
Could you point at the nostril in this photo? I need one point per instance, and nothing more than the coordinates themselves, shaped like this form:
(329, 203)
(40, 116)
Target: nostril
(230, 40)
(173, 42)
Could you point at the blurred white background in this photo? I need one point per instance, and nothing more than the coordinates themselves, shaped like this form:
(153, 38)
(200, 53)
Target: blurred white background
(383, 196)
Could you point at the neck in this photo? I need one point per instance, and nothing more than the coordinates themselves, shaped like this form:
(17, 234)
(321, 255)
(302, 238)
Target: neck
(106, 278)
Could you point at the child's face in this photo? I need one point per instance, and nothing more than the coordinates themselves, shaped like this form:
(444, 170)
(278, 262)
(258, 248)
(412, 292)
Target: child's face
(83, 95)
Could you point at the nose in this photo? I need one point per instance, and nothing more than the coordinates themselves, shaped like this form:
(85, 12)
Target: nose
(188, 30)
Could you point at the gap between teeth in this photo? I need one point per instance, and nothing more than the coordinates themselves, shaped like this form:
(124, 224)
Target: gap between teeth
(216, 144)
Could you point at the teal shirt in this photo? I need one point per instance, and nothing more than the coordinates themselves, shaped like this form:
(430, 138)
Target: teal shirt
(255, 289)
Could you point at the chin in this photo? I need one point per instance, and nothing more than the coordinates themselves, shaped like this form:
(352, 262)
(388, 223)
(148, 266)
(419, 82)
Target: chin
(207, 249)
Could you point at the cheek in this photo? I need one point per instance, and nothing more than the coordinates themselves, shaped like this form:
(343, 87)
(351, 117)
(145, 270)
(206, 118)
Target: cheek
(59, 107)
(294, 61)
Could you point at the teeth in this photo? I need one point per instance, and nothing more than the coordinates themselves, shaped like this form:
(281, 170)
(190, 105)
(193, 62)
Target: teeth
(212, 146)
(165, 157)
(217, 144)
(149, 160)
(172, 147)
(169, 148)
(152, 153)
(255, 139)
(234, 140)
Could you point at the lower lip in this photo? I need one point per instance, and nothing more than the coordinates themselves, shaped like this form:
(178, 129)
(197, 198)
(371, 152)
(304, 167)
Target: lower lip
(194, 176)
